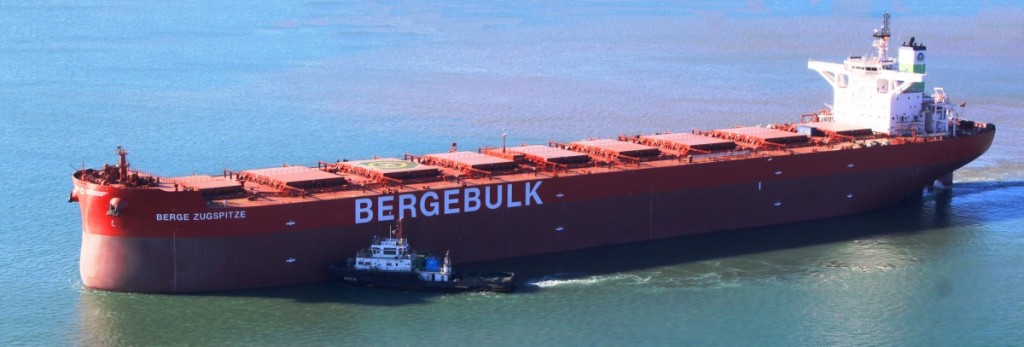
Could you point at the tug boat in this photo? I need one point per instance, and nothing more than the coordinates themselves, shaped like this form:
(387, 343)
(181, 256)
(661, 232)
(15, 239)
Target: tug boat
(390, 263)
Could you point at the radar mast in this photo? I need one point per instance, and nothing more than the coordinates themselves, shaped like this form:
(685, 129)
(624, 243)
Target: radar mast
(882, 38)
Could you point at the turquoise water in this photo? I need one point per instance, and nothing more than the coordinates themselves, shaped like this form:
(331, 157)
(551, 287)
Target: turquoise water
(194, 87)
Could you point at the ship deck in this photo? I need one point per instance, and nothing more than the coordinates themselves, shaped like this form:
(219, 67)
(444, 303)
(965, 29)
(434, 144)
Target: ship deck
(372, 177)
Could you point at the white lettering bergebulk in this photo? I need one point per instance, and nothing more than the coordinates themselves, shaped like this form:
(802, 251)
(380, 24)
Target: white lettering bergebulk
(384, 208)
(511, 202)
(531, 193)
(406, 202)
(364, 210)
(492, 204)
(429, 209)
(450, 201)
(472, 199)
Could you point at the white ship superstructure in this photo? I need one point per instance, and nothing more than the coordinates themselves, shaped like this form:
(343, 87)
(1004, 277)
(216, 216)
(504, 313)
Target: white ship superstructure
(885, 94)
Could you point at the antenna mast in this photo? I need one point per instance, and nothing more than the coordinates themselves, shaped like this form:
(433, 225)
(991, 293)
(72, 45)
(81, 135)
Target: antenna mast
(882, 38)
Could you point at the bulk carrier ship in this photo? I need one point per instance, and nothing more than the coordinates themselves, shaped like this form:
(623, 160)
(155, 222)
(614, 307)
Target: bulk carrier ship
(884, 138)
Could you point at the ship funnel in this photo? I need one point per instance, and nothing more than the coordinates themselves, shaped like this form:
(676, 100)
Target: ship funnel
(911, 59)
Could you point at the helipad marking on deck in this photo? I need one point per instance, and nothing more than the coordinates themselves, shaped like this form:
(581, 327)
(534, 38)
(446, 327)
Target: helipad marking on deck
(390, 164)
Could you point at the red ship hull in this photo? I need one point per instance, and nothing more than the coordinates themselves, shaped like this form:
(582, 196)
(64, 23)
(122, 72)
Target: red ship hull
(150, 247)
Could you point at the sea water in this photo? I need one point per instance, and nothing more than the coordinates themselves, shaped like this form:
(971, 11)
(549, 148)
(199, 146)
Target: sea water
(194, 87)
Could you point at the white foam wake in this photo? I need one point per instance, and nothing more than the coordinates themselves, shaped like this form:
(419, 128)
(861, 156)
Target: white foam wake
(580, 280)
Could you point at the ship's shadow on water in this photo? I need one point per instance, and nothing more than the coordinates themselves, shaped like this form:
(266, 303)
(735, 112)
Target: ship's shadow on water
(913, 215)
(334, 292)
